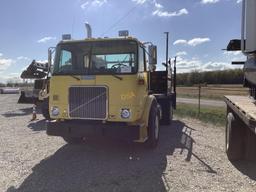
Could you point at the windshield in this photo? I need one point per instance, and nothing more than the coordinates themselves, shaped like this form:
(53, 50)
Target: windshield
(105, 57)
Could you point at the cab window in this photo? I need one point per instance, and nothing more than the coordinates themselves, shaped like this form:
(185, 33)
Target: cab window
(65, 63)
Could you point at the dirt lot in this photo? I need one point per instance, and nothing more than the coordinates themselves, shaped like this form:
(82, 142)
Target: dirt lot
(190, 157)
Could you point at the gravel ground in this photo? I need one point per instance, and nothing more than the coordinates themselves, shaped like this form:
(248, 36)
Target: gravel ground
(190, 157)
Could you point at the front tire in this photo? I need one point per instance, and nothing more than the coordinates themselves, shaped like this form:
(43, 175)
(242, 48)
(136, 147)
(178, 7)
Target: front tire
(153, 127)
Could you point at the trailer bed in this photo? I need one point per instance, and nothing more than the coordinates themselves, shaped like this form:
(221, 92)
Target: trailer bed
(245, 108)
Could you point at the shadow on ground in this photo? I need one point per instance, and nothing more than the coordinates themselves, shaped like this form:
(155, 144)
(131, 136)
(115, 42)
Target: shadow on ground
(21, 112)
(247, 168)
(18, 112)
(37, 125)
(106, 165)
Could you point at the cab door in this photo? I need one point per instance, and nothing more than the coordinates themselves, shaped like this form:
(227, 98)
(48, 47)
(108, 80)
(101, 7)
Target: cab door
(142, 80)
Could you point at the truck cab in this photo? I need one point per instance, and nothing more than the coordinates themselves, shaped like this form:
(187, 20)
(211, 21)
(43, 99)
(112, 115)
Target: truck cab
(102, 87)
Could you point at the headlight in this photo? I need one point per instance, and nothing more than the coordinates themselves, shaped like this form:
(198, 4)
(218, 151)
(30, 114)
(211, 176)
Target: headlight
(125, 113)
(55, 111)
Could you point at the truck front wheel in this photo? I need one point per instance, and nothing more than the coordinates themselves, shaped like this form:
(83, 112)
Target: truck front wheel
(153, 127)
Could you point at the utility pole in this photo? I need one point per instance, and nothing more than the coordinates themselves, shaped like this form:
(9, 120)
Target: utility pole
(199, 99)
(174, 80)
(166, 61)
(167, 46)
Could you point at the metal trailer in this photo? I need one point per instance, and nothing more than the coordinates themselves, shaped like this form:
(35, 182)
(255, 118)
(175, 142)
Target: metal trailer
(241, 128)
(241, 110)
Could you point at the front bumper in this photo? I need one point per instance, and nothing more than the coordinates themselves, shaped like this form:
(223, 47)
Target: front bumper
(86, 128)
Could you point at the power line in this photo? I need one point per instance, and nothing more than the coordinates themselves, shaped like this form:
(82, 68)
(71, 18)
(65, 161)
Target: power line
(119, 20)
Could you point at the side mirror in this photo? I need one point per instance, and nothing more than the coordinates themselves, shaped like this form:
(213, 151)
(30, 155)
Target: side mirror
(49, 57)
(152, 50)
(51, 50)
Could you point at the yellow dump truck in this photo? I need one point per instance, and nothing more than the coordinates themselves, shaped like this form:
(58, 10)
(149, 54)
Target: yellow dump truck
(109, 86)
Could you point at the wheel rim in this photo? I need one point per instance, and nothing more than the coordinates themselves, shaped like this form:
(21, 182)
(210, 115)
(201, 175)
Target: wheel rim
(156, 127)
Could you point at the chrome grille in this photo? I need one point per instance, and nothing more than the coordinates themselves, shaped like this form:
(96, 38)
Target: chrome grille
(88, 102)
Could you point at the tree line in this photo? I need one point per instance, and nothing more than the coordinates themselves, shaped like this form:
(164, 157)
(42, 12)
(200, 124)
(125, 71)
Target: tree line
(16, 84)
(230, 76)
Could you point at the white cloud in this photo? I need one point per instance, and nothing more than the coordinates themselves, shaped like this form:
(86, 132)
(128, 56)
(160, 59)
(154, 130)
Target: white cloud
(181, 53)
(239, 1)
(212, 66)
(140, 1)
(12, 77)
(233, 53)
(180, 41)
(23, 58)
(197, 41)
(160, 13)
(98, 3)
(193, 42)
(159, 9)
(193, 63)
(45, 39)
(158, 5)
(94, 3)
(84, 5)
(209, 1)
(42, 61)
(5, 63)
(234, 56)
(186, 65)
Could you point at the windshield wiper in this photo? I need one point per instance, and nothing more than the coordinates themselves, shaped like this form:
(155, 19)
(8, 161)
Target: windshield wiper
(75, 77)
(65, 73)
(116, 76)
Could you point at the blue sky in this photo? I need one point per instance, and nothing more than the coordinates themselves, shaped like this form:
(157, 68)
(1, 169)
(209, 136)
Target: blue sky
(199, 29)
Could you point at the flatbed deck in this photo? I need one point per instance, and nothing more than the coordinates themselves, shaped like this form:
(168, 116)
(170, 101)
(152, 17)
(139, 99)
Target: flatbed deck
(245, 108)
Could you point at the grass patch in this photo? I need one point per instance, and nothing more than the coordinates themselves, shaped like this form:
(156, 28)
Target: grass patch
(211, 92)
(213, 115)
(194, 96)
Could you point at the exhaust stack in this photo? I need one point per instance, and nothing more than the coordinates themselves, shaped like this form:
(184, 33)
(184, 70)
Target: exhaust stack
(89, 30)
